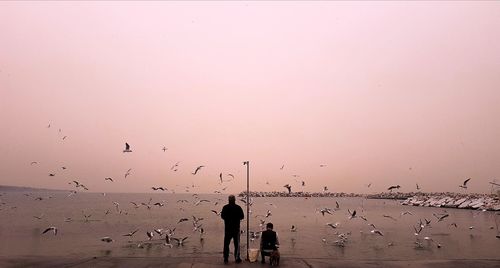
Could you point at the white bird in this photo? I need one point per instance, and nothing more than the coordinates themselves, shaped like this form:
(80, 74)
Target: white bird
(150, 235)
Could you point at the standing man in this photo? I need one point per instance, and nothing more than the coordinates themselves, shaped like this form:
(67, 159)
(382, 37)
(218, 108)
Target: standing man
(232, 214)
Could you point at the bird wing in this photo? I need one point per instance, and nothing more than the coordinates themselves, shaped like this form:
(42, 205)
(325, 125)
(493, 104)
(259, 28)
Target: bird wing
(466, 181)
(127, 146)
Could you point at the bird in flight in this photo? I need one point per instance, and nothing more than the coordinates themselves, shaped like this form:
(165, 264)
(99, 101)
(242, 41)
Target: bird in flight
(108, 179)
(464, 185)
(127, 148)
(174, 166)
(288, 187)
(377, 232)
(351, 214)
(216, 212)
(281, 168)
(164, 149)
(180, 241)
(393, 187)
(34, 162)
(52, 228)
(131, 233)
(128, 172)
(197, 169)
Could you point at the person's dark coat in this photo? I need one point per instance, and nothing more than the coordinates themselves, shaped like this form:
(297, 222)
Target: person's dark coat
(232, 214)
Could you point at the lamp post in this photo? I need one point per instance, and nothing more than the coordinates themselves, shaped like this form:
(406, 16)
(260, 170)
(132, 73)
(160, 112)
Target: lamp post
(247, 163)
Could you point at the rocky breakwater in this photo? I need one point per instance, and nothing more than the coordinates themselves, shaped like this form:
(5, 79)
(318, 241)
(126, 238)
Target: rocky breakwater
(455, 200)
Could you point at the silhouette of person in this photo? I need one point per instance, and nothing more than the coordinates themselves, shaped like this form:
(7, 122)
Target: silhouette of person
(268, 242)
(232, 214)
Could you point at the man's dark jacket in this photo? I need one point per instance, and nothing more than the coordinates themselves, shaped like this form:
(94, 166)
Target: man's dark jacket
(232, 214)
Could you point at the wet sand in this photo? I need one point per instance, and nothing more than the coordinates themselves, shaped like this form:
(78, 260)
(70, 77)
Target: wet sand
(101, 262)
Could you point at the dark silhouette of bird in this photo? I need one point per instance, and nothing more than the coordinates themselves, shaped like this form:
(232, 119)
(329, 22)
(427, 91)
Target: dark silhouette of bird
(52, 228)
(464, 185)
(131, 233)
(197, 169)
(127, 148)
(288, 187)
(107, 239)
(351, 214)
(393, 187)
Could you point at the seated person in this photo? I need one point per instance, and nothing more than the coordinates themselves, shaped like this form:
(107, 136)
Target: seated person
(268, 242)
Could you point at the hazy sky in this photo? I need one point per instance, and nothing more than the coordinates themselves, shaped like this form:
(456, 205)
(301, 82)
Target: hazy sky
(387, 93)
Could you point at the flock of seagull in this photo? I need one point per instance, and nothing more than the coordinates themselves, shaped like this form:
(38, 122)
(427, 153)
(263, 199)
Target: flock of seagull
(167, 234)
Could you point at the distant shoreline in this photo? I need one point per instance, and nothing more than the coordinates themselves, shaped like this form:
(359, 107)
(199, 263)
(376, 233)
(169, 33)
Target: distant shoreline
(448, 200)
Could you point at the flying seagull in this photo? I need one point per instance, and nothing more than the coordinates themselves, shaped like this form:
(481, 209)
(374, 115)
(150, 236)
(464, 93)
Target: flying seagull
(131, 233)
(464, 185)
(180, 241)
(128, 172)
(164, 148)
(377, 232)
(52, 228)
(393, 187)
(351, 214)
(288, 187)
(197, 169)
(127, 148)
(108, 179)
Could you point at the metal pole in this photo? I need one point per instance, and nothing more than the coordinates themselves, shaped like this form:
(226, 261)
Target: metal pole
(247, 163)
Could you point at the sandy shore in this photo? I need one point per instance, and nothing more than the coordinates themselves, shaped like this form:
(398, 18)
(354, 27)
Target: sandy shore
(41, 262)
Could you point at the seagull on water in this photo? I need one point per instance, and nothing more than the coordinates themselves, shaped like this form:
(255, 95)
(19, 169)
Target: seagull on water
(107, 239)
(150, 234)
(333, 225)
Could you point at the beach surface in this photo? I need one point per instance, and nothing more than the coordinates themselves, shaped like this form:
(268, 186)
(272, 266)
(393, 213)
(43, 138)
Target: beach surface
(41, 262)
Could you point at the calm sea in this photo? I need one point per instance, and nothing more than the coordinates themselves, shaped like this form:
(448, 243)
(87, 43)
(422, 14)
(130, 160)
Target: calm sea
(20, 231)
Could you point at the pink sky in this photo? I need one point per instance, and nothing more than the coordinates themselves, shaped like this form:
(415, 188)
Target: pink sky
(369, 89)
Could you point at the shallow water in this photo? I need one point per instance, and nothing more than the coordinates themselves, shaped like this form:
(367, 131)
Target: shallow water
(20, 232)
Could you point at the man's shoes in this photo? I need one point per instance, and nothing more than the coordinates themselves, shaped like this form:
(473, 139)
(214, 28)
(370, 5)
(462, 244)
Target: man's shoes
(238, 260)
(225, 261)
